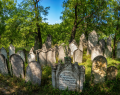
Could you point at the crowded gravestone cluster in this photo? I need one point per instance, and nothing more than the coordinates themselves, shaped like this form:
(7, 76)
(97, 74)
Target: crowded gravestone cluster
(65, 73)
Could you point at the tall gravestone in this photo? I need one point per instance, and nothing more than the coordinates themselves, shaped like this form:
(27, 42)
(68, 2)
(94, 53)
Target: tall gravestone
(4, 52)
(68, 75)
(33, 73)
(21, 53)
(92, 41)
(82, 42)
(96, 51)
(48, 41)
(102, 44)
(3, 65)
(77, 56)
(73, 46)
(16, 65)
(99, 68)
(11, 50)
(118, 50)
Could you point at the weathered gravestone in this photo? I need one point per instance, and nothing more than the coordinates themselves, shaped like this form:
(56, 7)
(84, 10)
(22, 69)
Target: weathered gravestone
(109, 41)
(82, 42)
(99, 68)
(92, 41)
(118, 50)
(77, 56)
(16, 65)
(48, 41)
(73, 46)
(31, 57)
(44, 48)
(111, 72)
(68, 75)
(50, 57)
(3, 65)
(21, 53)
(33, 73)
(11, 50)
(96, 51)
(102, 44)
(4, 52)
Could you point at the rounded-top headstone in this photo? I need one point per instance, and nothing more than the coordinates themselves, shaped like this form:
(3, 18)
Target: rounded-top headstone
(4, 52)
(99, 68)
(33, 73)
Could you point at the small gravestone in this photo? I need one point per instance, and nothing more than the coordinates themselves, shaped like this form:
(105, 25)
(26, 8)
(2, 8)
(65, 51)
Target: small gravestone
(33, 73)
(3, 65)
(16, 65)
(99, 68)
(4, 52)
(48, 41)
(11, 50)
(42, 57)
(73, 46)
(82, 42)
(96, 51)
(77, 56)
(31, 57)
(50, 57)
(118, 50)
(92, 41)
(102, 44)
(68, 75)
(61, 53)
(21, 53)
(112, 72)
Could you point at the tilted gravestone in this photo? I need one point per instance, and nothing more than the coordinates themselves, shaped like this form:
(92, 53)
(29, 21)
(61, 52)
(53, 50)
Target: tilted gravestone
(31, 57)
(96, 51)
(16, 65)
(68, 75)
(118, 50)
(99, 68)
(33, 73)
(21, 53)
(73, 46)
(4, 52)
(48, 41)
(92, 41)
(111, 72)
(82, 42)
(3, 65)
(102, 44)
(11, 50)
(77, 56)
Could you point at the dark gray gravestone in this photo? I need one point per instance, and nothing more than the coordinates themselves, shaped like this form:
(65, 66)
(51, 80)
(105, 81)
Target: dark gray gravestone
(4, 52)
(16, 65)
(102, 44)
(3, 65)
(21, 53)
(92, 41)
(96, 51)
(11, 50)
(77, 56)
(118, 50)
(31, 57)
(33, 73)
(68, 75)
(99, 68)
(73, 46)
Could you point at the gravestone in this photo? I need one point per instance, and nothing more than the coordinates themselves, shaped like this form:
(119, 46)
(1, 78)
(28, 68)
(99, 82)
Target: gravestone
(48, 41)
(61, 53)
(82, 42)
(3, 65)
(42, 57)
(108, 52)
(50, 57)
(118, 50)
(73, 46)
(96, 51)
(33, 73)
(11, 50)
(92, 41)
(31, 57)
(77, 56)
(44, 48)
(102, 44)
(68, 75)
(99, 68)
(16, 65)
(108, 41)
(112, 72)
(4, 52)
(21, 53)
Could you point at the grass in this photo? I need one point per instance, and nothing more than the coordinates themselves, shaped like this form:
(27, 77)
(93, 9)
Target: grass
(16, 86)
